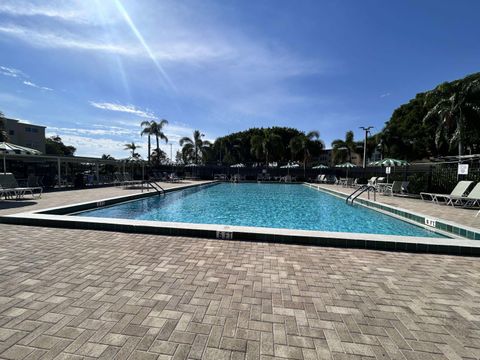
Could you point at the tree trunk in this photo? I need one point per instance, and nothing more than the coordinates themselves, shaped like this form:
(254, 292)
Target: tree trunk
(149, 149)
(158, 151)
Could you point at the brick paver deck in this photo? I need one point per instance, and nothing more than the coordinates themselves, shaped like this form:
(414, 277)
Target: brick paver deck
(62, 198)
(73, 294)
(78, 294)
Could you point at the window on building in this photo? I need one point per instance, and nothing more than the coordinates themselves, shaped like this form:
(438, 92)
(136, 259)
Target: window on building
(34, 130)
(28, 129)
(11, 132)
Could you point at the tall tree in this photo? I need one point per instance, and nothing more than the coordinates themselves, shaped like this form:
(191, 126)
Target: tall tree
(194, 148)
(132, 147)
(344, 147)
(304, 144)
(147, 130)
(55, 146)
(454, 112)
(267, 144)
(157, 131)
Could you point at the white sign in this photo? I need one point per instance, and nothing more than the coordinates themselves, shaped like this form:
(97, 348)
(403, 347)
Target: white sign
(388, 170)
(430, 222)
(462, 169)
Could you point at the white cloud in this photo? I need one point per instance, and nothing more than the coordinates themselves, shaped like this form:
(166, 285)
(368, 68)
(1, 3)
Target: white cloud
(385, 95)
(227, 73)
(21, 8)
(48, 39)
(112, 130)
(8, 71)
(130, 109)
(29, 83)
(20, 75)
(93, 147)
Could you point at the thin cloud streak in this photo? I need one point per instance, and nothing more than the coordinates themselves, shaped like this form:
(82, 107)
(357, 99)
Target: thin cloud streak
(8, 71)
(25, 9)
(130, 109)
(29, 83)
(47, 39)
(20, 75)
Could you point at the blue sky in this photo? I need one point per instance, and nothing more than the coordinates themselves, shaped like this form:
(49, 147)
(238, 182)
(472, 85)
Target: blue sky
(92, 70)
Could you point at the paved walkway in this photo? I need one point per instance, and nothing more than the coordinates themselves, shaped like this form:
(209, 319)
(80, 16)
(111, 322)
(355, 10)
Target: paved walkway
(77, 294)
(60, 198)
(450, 213)
(81, 294)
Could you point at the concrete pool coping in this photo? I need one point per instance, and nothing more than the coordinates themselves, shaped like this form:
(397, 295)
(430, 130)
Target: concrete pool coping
(56, 217)
(446, 227)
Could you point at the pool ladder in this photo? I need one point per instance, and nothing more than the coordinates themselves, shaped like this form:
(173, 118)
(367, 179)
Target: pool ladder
(155, 186)
(360, 191)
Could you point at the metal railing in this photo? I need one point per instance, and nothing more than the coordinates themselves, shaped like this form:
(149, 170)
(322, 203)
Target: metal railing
(155, 186)
(360, 191)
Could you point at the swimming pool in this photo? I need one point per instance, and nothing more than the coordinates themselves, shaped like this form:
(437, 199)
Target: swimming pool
(287, 206)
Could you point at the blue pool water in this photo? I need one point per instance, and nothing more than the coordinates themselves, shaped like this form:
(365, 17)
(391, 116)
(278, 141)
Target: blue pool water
(263, 205)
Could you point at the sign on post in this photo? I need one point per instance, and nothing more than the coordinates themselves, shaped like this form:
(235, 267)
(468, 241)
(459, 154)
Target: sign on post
(462, 169)
(388, 170)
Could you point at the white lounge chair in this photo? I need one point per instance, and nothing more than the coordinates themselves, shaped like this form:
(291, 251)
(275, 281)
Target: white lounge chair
(471, 200)
(457, 192)
(396, 188)
(11, 188)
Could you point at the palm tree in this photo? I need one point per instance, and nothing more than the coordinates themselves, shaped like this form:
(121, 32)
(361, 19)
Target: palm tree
(303, 143)
(147, 130)
(452, 113)
(194, 148)
(339, 145)
(265, 144)
(157, 131)
(132, 147)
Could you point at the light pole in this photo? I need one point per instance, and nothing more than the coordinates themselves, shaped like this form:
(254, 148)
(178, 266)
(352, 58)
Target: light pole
(367, 130)
(171, 155)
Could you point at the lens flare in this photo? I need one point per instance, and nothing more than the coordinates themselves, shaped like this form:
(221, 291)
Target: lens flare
(142, 41)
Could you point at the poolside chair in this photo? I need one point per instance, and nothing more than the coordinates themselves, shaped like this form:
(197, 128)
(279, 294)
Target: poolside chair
(10, 187)
(471, 200)
(396, 188)
(372, 181)
(129, 182)
(320, 179)
(349, 182)
(458, 191)
(174, 178)
(331, 179)
(6, 193)
(286, 178)
(380, 180)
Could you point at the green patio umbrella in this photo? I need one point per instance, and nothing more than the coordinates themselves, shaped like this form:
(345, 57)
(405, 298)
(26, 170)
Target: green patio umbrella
(9, 148)
(389, 162)
(321, 166)
(290, 166)
(346, 165)
(238, 166)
